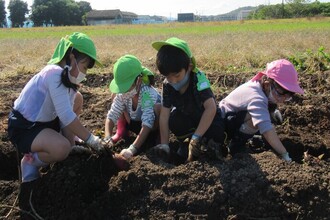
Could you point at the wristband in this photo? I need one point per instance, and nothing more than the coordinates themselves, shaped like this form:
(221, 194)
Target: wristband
(286, 157)
(196, 137)
(89, 136)
(133, 149)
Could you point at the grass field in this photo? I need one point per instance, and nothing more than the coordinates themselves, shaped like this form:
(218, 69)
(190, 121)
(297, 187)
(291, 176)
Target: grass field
(235, 47)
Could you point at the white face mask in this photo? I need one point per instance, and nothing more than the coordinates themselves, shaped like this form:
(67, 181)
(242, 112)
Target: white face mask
(81, 76)
(130, 94)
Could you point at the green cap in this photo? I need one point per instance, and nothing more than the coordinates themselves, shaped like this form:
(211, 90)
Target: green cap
(147, 72)
(78, 41)
(176, 42)
(145, 75)
(125, 71)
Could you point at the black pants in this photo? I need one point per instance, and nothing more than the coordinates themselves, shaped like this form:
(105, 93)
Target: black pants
(233, 122)
(183, 126)
(152, 139)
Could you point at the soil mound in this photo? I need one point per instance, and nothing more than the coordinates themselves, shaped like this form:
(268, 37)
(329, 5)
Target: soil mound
(254, 185)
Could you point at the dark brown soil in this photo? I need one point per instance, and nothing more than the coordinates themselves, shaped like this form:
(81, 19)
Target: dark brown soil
(255, 185)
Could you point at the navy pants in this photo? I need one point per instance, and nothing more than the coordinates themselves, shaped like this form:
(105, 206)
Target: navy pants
(184, 126)
(22, 132)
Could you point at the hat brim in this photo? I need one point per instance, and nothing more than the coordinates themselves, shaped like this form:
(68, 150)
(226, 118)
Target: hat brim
(60, 50)
(115, 88)
(158, 44)
(292, 88)
(98, 63)
(258, 76)
(146, 71)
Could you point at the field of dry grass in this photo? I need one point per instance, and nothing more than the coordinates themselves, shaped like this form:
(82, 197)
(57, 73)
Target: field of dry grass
(219, 47)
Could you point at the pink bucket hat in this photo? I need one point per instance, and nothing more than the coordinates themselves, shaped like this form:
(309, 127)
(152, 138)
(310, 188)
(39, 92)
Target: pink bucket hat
(284, 73)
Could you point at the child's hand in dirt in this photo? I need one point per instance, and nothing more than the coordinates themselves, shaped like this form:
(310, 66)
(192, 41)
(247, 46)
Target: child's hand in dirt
(129, 152)
(194, 149)
(120, 162)
(286, 157)
(162, 150)
(94, 142)
(108, 141)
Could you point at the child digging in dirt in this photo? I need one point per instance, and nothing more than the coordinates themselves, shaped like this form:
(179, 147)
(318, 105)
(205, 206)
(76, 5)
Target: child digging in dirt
(42, 124)
(246, 109)
(189, 108)
(136, 99)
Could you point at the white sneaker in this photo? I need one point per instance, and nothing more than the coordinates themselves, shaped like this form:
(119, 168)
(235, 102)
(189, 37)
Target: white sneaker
(29, 172)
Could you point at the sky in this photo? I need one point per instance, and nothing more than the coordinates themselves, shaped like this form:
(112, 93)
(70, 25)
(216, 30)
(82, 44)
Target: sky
(170, 8)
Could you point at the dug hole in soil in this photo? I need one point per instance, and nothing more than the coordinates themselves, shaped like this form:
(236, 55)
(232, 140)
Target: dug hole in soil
(254, 185)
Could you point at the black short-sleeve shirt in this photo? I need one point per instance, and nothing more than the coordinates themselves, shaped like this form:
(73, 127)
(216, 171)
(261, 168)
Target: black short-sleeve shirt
(190, 102)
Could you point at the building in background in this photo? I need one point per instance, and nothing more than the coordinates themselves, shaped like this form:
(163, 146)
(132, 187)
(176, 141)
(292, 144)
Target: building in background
(186, 17)
(147, 19)
(103, 17)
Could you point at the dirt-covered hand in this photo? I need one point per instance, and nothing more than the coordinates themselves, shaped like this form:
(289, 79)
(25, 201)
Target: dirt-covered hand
(108, 141)
(94, 142)
(162, 150)
(162, 147)
(120, 162)
(194, 149)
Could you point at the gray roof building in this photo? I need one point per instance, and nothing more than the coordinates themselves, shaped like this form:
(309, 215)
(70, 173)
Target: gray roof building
(103, 17)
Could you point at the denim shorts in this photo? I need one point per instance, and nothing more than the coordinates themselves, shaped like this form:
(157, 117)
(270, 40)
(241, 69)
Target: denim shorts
(22, 132)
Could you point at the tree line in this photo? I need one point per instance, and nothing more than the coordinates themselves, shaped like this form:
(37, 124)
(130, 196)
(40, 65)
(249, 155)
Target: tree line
(69, 12)
(45, 12)
(292, 9)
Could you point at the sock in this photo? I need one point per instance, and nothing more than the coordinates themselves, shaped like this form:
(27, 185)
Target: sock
(29, 172)
(37, 162)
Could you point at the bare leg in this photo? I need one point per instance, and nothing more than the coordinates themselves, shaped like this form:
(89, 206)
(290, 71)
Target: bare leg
(51, 146)
(48, 146)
